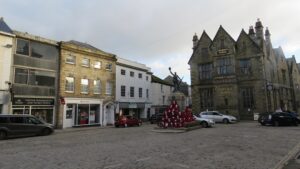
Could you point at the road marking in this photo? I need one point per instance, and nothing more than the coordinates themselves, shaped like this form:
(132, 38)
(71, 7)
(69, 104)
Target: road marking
(288, 157)
(143, 159)
(113, 166)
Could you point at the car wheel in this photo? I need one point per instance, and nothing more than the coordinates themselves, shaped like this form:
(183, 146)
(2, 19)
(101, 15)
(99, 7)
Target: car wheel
(204, 124)
(296, 123)
(139, 124)
(117, 126)
(276, 123)
(263, 124)
(225, 121)
(3, 135)
(46, 132)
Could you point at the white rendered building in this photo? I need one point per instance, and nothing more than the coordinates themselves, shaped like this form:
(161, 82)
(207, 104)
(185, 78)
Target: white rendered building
(6, 51)
(133, 89)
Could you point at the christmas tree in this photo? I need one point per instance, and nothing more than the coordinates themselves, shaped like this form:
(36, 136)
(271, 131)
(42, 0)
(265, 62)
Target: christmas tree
(173, 118)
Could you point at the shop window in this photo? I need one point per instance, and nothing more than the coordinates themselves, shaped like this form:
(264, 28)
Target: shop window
(97, 65)
(85, 62)
(71, 59)
(140, 75)
(97, 87)
(43, 113)
(41, 78)
(123, 91)
(84, 86)
(140, 92)
(71, 108)
(22, 47)
(69, 84)
(108, 88)
(83, 114)
(94, 114)
(21, 76)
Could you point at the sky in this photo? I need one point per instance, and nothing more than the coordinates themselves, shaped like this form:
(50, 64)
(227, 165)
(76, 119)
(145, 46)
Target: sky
(157, 33)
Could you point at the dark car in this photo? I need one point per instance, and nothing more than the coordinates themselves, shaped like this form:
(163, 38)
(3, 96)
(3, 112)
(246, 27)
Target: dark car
(126, 121)
(156, 118)
(23, 125)
(278, 119)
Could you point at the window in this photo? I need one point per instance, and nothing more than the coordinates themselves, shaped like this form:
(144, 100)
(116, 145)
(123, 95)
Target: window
(71, 59)
(35, 77)
(69, 84)
(131, 74)
(283, 76)
(245, 66)
(224, 66)
(97, 65)
(22, 47)
(222, 44)
(131, 91)
(147, 78)
(140, 75)
(41, 78)
(43, 51)
(140, 92)
(84, 86)
(108, 67)
(205, 71)
(206, 98)
(123, 91)
(147, 93)
(248, 99)
(21, 76)
(123, 72)
(97, 87)
(108, 88)
(85, 62)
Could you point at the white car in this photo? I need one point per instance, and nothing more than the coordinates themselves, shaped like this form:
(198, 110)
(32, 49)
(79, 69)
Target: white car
(204, 122)
(218, 117)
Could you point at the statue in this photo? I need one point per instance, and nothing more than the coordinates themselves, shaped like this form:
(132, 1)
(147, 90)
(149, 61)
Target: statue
(176, 80)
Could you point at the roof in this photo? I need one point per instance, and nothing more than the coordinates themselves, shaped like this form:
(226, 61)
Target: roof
(85, 45)
(4, 27)
(156, 79)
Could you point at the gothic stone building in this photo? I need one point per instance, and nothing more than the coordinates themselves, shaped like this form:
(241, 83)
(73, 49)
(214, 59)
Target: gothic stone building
(242, 77)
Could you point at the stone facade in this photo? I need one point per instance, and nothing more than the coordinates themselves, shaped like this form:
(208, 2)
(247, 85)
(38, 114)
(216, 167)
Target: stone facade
(242, 77)
(84, 65)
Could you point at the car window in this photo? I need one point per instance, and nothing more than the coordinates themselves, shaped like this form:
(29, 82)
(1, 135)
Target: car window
(209, 113)
(16, 119)
(3, 119)
(216, 114)
(31, 120)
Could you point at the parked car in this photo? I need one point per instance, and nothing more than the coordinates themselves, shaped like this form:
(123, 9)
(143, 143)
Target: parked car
(23, 125)
(156, 118)
(204, 122)
(218, 117)
(278, 119)
(126, 121)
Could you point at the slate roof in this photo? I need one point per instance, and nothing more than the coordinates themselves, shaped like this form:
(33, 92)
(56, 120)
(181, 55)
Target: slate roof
(85, 45)
(4, 27)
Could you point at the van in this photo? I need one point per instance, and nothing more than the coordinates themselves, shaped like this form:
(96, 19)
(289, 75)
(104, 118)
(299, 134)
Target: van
(23, 125)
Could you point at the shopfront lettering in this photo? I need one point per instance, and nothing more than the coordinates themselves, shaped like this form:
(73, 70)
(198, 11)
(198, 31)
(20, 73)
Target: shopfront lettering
(33, 101)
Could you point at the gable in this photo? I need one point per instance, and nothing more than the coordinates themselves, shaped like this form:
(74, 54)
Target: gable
(246, 46)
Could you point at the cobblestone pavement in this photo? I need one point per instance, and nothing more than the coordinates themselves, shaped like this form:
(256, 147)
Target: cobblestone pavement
(245, 145)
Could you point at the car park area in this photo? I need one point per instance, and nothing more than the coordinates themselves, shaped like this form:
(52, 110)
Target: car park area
(244, 145)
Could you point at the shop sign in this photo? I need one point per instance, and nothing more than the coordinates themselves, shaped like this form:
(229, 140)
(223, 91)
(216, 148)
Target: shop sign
(33, 101)
(132, 105)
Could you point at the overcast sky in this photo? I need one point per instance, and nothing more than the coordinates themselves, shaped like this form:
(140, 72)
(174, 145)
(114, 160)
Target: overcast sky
(157, 33)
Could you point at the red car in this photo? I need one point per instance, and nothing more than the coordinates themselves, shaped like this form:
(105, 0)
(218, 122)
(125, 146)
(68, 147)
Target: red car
(126, 121)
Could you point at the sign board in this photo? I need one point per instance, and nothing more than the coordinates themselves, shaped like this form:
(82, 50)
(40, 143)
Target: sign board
(32, 101)
(132, 105)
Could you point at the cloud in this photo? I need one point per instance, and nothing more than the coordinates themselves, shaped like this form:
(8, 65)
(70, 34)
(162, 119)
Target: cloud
(152, 32)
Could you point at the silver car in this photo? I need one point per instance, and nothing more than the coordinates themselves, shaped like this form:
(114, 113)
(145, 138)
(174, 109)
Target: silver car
(204, 122)
(218, 117)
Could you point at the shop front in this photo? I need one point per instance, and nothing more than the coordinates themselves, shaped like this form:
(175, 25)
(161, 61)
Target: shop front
(137, 110)
(42, 108)
(81, 112)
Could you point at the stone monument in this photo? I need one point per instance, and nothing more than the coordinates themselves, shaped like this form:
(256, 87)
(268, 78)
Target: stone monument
(177, 95)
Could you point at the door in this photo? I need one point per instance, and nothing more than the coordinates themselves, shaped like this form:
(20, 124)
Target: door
(17, 126)
(217, 117)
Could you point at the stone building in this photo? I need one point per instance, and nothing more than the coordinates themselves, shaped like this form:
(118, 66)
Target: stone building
(86, 86)
(243, 76)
